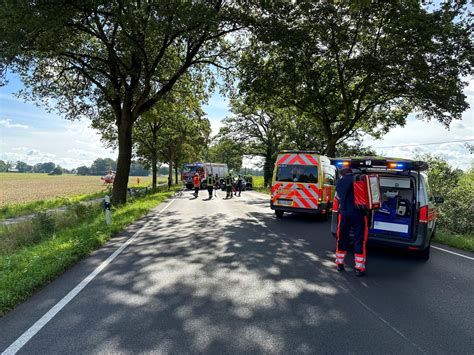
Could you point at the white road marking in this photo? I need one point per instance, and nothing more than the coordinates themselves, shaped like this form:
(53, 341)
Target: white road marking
(35, 328)
(452, 252)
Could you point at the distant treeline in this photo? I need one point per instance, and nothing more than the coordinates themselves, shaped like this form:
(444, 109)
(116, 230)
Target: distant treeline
(99, 167)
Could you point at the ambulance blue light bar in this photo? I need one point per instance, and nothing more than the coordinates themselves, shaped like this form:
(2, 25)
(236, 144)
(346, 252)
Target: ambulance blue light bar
(379, 163)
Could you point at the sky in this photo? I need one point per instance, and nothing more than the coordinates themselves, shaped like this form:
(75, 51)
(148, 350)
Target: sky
(30, 134)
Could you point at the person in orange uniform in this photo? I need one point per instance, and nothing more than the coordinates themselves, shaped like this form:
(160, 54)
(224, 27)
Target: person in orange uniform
(350, 218)
(197, 184)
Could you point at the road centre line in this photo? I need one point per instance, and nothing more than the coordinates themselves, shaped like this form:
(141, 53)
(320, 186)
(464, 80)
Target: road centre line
(452, 252)
(35, 328)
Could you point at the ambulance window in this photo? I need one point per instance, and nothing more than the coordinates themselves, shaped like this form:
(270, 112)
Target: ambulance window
(329, 175)
(297, 173)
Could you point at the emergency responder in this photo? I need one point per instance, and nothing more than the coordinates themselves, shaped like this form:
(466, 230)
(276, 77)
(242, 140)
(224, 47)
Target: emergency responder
(239, 186)
(197, 184)
(350, 217)
(210, 181)
(228, 185)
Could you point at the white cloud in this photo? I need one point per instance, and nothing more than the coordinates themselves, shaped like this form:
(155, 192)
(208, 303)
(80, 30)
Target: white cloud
(7, 123)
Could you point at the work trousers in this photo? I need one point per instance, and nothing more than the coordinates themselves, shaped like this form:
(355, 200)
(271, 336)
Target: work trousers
(210, 189)
(196, 191)
(359, 226)
(228, 191)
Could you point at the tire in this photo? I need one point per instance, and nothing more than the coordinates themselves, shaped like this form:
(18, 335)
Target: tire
(424, 254)
(279, 213)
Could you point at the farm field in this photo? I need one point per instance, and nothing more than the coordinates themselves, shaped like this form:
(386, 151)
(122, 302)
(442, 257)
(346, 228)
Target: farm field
(18, 188)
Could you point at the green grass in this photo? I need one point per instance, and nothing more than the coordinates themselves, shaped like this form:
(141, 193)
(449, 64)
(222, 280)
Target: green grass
(460, 241)
(21, 209)
(259, 186)
(27, 269)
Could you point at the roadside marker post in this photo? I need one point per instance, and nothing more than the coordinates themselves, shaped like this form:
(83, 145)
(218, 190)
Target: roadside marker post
(107, 209)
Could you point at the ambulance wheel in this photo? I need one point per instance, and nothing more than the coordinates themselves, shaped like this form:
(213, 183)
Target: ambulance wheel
(424, 254)
(279, 213)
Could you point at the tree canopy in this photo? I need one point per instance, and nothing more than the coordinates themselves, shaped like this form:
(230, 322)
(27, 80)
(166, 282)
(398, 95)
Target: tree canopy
(351, 67)
(92, 58)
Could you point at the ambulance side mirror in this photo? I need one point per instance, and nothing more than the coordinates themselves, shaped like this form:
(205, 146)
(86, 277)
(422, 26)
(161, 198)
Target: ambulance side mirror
(438, 199)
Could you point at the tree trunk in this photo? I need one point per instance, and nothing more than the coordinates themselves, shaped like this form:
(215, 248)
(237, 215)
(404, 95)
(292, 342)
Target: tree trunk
(119, 194)
(331, 148)
(170, 171)
(176, 173)
(268, 166)
(154, 162)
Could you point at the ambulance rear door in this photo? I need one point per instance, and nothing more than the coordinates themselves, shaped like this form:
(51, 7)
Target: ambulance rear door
(297, 182)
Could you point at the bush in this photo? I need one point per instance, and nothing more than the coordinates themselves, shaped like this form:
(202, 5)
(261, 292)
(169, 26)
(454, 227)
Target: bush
(457, 211)
(43, 226)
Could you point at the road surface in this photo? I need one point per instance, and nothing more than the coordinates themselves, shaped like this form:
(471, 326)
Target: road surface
(226, 276)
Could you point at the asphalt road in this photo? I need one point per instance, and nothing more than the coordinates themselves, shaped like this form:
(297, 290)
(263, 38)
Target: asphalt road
(225, 276)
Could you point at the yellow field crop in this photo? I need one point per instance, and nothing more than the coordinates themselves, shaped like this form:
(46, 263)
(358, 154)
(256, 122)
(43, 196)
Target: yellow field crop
(24, 187)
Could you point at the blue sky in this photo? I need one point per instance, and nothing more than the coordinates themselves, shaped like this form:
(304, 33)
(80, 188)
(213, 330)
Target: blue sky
(31, 134)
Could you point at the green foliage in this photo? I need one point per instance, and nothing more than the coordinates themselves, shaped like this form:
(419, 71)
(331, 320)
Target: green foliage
(457, 189)
(358, 68)
(83, 170)
(16, 210)
(3, 167)
(110, 61)
(43, 225)
(461, 241)
(23, 167)
(28, 268)
(44, 167)
(101, 166)
(228, 152)
(457, 211)
(57, 171)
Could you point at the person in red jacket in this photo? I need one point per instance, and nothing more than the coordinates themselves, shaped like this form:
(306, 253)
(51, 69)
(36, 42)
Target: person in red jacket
(197, 184)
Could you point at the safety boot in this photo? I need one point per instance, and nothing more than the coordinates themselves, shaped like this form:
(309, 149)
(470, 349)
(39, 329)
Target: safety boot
(359, 273)
(340, 267)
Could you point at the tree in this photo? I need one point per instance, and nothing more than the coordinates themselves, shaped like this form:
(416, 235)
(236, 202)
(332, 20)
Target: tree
(110, 60)
(101, 166)
(352, 67)
(226, 151)
(258, 128)
(23, 167)
(137, 169)
(44, 167)
(185, 98)
(83, 170)
(3, 167)
(57, 171)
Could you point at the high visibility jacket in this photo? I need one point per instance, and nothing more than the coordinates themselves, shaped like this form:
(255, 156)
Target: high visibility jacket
(210, 181)
(196, 181)
(228, 181)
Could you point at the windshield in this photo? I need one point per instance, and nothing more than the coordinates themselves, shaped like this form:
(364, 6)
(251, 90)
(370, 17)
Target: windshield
(190, 168)
(297, 173)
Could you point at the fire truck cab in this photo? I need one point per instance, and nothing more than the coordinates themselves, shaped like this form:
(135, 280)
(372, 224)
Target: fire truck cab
(303, 182)
(408, 212)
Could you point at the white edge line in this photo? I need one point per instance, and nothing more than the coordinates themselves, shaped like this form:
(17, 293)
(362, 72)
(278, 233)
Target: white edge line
(452, 252)
(35, 328)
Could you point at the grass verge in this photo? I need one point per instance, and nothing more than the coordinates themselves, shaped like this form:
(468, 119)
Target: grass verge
(16, 210)
(27, 269)
(460, 241)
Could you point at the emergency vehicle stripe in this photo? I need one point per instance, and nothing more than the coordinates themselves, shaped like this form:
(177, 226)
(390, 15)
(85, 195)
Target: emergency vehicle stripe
(296, 158)
(311, 159)
(310, 192)
(283, 158)
(310, 196)
(307, 203)
(314, 190)
(305, 160)
(288, 159)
